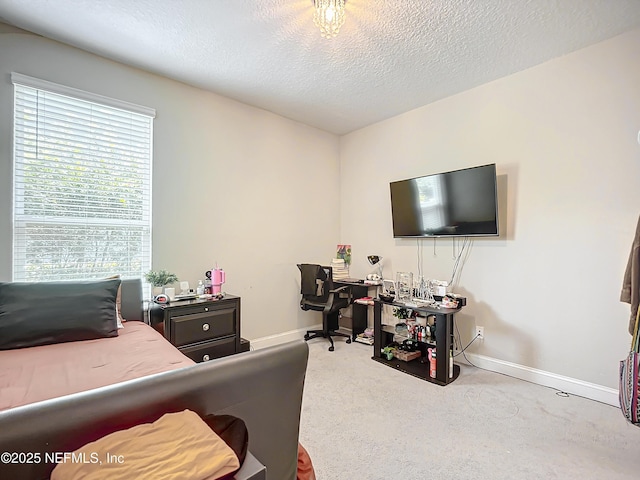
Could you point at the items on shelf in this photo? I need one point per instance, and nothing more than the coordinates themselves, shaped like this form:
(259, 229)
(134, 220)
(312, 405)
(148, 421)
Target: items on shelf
(361, 338)
(432, 362)
(385, 297)
(423, 292)
(402, 313)
(404, 286)
(449, 301)
(364, 301)
(406, 351)
(365, 337)
(439, 287)
(389, 351)
(450, 363)
(406, 356)
(420, 329)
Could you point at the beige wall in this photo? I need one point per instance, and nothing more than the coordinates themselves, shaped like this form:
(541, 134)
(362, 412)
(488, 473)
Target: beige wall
(231, 183)
(564, 138)
(262, 193)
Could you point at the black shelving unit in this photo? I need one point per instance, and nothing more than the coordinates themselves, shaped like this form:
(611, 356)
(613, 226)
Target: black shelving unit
(383, 335)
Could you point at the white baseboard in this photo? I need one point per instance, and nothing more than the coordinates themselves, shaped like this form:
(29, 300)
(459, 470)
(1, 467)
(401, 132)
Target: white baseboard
(570, 385)
(289, 336)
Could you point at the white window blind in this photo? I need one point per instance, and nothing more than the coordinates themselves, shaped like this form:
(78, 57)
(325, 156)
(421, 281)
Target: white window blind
(82, 184)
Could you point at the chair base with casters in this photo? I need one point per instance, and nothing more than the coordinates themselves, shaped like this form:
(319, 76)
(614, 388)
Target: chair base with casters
(318, 294)
(327, 333)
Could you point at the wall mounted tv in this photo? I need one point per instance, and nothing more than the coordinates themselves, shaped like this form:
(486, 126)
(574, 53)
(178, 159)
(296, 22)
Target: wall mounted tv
(457, 203)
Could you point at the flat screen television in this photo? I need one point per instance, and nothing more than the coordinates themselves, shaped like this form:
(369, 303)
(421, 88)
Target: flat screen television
(457, 203)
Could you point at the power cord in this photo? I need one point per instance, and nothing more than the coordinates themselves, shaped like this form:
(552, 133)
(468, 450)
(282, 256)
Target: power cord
(461, 352)
(559, 393)
(457, 340)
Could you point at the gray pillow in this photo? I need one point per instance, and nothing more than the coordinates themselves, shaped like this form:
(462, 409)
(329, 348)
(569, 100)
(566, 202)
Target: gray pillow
(42, 313)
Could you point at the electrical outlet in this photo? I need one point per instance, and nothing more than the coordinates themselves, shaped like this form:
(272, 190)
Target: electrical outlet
(480, 333)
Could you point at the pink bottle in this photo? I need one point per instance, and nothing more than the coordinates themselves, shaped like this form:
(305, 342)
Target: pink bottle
(218, 277)
(432, 362)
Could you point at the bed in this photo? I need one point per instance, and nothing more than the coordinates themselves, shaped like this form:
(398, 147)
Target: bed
(263, 388)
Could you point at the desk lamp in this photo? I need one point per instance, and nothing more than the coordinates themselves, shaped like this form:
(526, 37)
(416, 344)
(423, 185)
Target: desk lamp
(375, 260)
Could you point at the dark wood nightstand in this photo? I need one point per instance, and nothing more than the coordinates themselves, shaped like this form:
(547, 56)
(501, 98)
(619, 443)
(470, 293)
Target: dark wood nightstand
(201, 329)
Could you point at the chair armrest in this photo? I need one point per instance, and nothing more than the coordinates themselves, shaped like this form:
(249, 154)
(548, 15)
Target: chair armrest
(336, 293)
(340, 289)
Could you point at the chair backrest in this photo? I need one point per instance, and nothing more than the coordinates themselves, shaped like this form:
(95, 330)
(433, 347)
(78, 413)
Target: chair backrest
(316, 281)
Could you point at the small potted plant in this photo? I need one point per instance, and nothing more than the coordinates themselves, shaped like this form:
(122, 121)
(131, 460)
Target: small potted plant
(389, 351)
(160, 279)
(402, 313)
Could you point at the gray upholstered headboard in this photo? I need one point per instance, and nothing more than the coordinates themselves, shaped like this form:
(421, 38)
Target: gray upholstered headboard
(263, 387)
(132, 306)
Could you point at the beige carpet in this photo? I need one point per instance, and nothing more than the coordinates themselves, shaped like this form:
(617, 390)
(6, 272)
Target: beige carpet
(362, 420)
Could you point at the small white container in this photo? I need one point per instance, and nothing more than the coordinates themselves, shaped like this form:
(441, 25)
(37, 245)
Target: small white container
(439, 287)
(170, 292)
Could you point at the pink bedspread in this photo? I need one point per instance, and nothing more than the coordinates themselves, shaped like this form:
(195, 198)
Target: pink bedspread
(33, 374)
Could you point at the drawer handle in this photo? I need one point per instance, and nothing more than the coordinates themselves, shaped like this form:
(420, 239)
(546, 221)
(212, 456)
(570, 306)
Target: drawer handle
(205, 358)
(206, 309)
(205, 326)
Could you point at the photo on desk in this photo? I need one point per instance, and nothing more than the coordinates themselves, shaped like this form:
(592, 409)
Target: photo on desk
(344, 252)
(388, 287)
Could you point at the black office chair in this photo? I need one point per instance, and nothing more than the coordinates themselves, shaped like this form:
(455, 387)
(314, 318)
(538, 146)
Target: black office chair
(318, 294)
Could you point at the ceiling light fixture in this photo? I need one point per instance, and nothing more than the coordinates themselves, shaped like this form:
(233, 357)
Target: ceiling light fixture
(329, 16)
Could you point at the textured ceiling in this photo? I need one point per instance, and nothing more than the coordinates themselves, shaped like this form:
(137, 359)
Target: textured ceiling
(390, 56)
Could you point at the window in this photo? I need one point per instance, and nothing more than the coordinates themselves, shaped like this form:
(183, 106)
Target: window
(82, 184)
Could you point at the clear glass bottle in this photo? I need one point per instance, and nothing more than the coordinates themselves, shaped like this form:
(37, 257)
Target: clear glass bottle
(404, 286)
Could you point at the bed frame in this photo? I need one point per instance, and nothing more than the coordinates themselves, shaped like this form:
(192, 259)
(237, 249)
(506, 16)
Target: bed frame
(262, 387)
(132, 306)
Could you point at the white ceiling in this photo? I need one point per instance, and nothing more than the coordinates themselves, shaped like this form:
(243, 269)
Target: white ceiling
(390, 56)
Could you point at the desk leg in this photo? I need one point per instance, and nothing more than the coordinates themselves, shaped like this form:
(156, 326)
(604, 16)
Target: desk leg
(359, 312)
(359, 320)
(377, 329)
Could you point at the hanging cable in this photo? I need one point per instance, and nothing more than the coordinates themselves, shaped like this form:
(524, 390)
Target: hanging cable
(419, 254)
(456, 266)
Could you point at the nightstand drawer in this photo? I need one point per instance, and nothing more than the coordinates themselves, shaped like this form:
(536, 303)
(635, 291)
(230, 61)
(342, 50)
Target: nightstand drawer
(198, 327)
(210, 350)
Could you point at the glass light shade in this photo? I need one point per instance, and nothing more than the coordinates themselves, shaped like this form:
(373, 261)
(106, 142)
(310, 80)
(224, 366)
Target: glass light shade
(329, 16)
